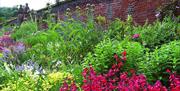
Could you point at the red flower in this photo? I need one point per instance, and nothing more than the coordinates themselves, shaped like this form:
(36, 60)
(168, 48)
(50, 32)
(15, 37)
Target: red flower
(124, 58)
(177, 88)
(168, 71)
(124, 53)
(73, 87)
(85, 81)
(115, 56)
(132, 71)
(84, 72)
(113, 66)
(64, 87)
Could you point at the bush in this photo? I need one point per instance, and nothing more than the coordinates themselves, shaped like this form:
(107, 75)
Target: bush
(156, 63)
(157, 33)
(101, 59)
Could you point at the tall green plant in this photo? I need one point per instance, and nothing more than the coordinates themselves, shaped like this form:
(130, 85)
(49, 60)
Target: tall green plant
(26, 29)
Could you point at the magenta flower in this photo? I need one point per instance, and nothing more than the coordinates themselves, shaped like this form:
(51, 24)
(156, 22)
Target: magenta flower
(135, 36)
(114, 80)
(1, 48)
(168, 71)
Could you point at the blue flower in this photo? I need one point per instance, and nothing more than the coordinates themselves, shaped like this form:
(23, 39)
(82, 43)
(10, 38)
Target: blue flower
(20, 68)
(6, 52)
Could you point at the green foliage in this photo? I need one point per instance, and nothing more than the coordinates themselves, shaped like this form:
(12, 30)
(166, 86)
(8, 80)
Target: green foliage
(75, 70)
(68, 41)
(157, 33)
(77, 39)
(116, 30)
(26, 29)
(7, 13)
(45, 54)
(102, 58)
(120, 30)
(28, 81)
(42, 37)
(155, 64)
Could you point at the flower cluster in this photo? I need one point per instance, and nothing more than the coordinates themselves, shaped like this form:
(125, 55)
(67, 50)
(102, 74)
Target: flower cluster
(7, 33)
(30, 66)
(65, 87)
(174, 82)
(6, 41)
(115, 80)
(9, 48)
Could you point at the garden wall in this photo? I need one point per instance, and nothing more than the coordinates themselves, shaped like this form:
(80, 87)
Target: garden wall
(141, 10)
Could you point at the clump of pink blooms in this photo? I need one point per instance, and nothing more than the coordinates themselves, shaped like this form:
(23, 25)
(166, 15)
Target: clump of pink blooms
(114, 80)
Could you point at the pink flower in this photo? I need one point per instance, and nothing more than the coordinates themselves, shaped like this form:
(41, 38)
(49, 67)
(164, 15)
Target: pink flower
(135, 36)
(124, 58)
(168, 71)
(115, 56)
(84, 72)
(73, 87)
(177, 88)
(64, 87)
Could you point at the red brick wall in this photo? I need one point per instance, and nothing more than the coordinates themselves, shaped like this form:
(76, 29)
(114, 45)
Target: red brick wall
(142, 10)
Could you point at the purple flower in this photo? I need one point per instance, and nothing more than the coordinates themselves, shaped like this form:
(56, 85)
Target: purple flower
(7, 33)
(135, 36)
(177, 7)
(1, 48)
(6, 40)
(19, 48)
(6, 52)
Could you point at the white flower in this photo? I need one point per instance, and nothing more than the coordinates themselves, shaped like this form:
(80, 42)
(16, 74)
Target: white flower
(177, 7)
(158, 14)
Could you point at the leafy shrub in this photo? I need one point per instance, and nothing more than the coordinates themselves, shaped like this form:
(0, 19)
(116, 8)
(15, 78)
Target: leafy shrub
(102, 58)
(157, 33)
(156, 63)
(77, 39)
